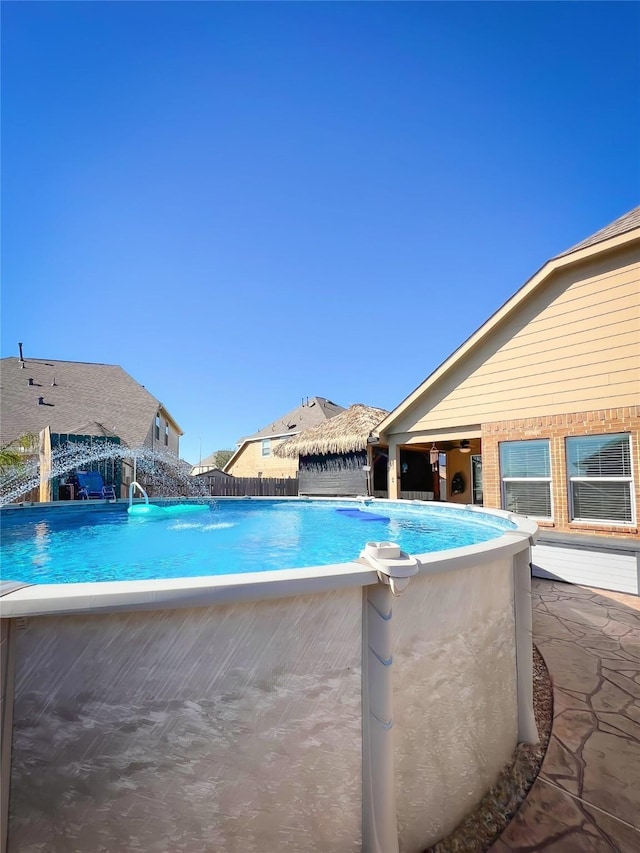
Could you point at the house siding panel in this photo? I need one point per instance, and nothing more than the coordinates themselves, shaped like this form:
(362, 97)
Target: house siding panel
(251, 463)
(591, 568)
(521, 370)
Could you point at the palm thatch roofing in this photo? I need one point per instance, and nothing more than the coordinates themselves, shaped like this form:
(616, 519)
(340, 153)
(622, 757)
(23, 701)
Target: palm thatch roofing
(344, 433)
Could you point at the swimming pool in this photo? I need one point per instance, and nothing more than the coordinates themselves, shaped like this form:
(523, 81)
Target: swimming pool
(234, 537)
(242, 676)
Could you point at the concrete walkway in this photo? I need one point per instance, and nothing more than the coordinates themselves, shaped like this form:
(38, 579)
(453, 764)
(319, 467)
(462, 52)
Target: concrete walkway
(587, 795)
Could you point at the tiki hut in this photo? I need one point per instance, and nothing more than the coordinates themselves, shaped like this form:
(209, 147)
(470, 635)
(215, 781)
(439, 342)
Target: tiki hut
(333, 457)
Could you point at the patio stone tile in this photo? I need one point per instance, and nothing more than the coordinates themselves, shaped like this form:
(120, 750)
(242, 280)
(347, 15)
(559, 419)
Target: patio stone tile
(610, 697)
(564, 700)
(573, 667)
(620, 723)
(630, 643)
(555, 822)
(562, 767)
(599, 643)
(580, 612)
(611, 776)
(625, 839)
(550, 627)
(632, 711)
(587, 795)
(622, 665)
(622, 681)
(623, 598)
(571, 727)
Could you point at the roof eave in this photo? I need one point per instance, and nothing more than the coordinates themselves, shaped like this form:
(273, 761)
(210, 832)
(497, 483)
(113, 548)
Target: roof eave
(549, 268)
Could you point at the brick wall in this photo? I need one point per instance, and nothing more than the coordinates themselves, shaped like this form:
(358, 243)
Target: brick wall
(556, 428)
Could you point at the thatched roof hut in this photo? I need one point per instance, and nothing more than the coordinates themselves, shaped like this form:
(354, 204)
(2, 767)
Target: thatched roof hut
(344, 433)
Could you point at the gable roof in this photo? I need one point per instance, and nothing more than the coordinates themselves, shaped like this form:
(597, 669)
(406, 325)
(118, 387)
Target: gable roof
(624, 223)
(312, 412)
(622, 231)
(344, 433)
(76, 396)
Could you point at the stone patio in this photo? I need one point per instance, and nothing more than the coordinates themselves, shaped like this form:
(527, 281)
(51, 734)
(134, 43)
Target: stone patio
(587, 795)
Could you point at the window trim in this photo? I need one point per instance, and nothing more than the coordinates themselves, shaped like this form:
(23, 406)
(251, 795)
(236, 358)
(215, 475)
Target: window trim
(266, 445)
(603, 522)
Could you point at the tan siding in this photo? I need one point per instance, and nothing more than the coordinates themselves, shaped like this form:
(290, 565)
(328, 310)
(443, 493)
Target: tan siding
(575, 346)
(250, 462)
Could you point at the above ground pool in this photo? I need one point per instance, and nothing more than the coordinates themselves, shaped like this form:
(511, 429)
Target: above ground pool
(80, 543)
(258, 674)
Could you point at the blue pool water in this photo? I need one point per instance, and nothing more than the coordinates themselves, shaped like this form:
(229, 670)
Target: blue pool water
(231, 538)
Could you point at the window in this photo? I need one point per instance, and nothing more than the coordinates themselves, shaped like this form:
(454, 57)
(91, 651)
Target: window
(266, 447)
(526, 477)
(157, 427)
(599, 472)
(166, 434)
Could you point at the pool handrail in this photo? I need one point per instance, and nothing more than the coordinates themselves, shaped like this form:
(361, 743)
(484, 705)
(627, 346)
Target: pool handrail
(135, 484)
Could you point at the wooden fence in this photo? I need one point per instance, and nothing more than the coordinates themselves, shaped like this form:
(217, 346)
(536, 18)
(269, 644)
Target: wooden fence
(239, 487)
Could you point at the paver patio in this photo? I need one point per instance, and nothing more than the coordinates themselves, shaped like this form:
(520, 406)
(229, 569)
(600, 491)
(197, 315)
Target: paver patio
(587, 795)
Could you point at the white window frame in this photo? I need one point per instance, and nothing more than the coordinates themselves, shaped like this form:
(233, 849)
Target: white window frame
(608, 522)
(266, 447)
(549, 479)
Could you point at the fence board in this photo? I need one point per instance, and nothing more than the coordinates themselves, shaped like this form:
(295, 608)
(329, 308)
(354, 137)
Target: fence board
(257, 487)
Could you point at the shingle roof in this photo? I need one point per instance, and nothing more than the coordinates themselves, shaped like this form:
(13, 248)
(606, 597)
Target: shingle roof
(624, 223)
(99, 396)
(312, 412)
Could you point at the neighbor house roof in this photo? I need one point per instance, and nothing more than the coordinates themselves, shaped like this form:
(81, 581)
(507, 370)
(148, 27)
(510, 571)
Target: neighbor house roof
(345, 433)
(310, 413)
(208, 460)
(78, 397)
(620, 232)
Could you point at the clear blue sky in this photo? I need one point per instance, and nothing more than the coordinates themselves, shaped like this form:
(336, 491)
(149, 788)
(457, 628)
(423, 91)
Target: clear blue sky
(244, 204)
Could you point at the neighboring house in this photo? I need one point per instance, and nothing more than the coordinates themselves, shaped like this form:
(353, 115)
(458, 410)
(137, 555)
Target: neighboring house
(207, 464)
(211, 478)
(214, 462)
(539, 410)
(82, 398)
(255, 456)
(333, 456)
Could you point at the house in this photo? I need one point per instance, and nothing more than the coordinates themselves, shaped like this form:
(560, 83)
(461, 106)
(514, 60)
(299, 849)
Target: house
(255, 457)
(81, 398)
(212, 478)
(333, 456)
(538, 411)
(209, 463)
